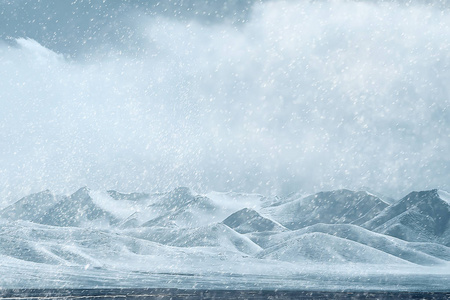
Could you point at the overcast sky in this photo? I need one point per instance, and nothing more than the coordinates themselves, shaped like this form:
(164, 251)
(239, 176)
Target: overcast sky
(268, 97)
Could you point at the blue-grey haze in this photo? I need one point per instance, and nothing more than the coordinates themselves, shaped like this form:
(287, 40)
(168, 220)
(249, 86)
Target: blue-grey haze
(255, 96)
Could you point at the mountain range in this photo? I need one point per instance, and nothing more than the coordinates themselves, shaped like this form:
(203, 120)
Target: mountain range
(182, 231)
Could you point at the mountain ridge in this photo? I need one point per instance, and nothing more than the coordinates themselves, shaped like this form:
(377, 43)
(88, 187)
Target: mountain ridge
(419, 216)
(332, 227)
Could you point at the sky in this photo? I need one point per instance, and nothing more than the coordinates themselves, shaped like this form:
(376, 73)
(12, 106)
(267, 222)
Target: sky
(268, 97)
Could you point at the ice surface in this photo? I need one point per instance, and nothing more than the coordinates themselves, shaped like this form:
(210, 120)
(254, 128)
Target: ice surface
(87, 245)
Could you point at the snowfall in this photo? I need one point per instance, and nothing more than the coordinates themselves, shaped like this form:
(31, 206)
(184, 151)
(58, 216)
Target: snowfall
(225, 144)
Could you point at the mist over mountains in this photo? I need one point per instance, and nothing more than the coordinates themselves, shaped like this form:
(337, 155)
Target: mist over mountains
(181, 232)
(269, 97)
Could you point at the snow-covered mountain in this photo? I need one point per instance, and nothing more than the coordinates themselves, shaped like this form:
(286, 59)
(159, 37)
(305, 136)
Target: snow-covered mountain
(325, 248)
(334, 207)
(182, 231)
(30, 208)
(77, 210)
(419, 216)
(180, 208)
(248, 220)
(418, 253)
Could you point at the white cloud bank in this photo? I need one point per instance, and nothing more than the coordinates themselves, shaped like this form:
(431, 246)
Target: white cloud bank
(304, 96)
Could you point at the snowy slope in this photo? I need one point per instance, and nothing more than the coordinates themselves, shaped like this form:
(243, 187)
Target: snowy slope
(444, 195)
(130, 196)
(248, 220)
(182, 207)
(191, 211)
(419, 216)
(77, 210)
(324, 248)
(31, 207)
(214, 235)
(418, 253)
(335, 207)
(75, 246)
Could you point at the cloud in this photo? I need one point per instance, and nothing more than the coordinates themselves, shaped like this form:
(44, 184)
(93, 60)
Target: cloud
(303, 96)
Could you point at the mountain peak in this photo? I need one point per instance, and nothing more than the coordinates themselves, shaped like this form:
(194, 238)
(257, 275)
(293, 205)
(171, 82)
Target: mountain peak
(248, 220)
(422, 194)
(330, 207)
(29, 207)
(431, 197)
(419, 216)
(181, 191)
(84, 191)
